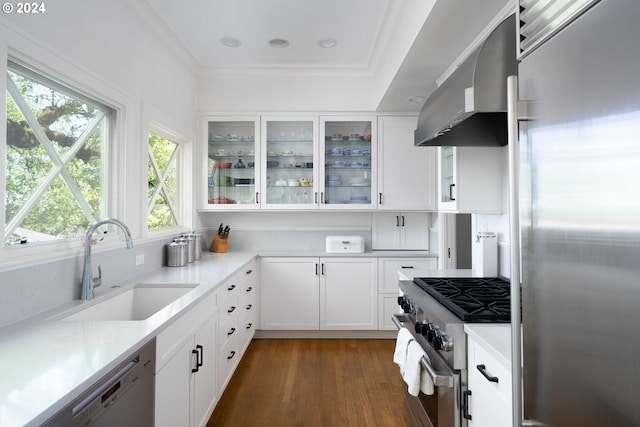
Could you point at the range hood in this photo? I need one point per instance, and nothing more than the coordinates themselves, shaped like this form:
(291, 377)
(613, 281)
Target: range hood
(470, 107)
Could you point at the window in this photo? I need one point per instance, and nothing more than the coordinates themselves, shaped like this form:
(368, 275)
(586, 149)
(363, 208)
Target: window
(163, 182)
(56, 158)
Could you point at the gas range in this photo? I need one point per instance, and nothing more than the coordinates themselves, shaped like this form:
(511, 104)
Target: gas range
(438, 308)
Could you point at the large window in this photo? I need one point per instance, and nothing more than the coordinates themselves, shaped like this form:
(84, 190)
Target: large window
(56, 159)
(163, 191)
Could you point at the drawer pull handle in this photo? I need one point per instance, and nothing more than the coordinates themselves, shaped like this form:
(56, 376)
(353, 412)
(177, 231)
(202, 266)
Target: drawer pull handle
(249, 289)
(232, 287)
(230, 356)
(483, 371)
(465, 405)
(231, 309)
(249, 271)
(231, 331)
(249, 306)
(249, 325)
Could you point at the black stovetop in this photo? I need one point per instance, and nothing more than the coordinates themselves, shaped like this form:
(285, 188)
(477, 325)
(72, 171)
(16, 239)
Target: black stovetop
(472, 299)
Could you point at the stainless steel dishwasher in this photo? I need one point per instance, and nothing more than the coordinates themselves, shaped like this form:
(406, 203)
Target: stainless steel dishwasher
(123, 397)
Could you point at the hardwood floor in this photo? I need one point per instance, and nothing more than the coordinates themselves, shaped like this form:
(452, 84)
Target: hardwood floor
(314, 382)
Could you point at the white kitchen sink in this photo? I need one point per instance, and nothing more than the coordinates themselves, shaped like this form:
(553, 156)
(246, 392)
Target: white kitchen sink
(140, 302)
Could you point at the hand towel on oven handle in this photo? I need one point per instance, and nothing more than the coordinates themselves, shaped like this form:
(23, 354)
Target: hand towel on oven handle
(402, 345)
(408, 356)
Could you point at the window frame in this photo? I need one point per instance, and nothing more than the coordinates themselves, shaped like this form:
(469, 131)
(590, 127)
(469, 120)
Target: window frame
(166, 127)
(37, 252)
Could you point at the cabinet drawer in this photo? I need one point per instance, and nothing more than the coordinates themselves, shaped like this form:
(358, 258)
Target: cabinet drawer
(228, 329)
(493, 368)
(228, 292)
(229, 357)
(246, 276)
(388, 271)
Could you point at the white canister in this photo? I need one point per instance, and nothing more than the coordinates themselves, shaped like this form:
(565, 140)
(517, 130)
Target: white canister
(485, 254)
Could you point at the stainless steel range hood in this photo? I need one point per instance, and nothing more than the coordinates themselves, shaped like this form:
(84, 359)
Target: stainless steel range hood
(470, 107)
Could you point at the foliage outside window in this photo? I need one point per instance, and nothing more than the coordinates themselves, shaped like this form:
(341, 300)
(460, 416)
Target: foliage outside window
(163, 194)
(56, 159)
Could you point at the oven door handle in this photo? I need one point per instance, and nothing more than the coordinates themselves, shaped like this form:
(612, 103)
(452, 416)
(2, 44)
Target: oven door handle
(439, 380)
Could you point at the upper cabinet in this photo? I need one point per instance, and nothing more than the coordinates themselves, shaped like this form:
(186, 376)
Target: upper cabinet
(407, 174)
(313, 162)
(348, 162)
(289, 177)
(231, 162)
(471, 179)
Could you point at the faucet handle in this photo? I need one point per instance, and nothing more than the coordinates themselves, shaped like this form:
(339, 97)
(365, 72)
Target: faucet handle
(97, 281)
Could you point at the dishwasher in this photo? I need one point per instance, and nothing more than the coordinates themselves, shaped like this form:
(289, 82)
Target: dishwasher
(124, 397)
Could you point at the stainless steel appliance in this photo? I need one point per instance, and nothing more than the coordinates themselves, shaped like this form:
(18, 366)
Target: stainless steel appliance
(470, 107)
(579, 143)
(435, 310)
(123, 397)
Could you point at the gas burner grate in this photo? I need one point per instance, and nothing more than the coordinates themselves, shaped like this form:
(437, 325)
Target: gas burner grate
(471, 299)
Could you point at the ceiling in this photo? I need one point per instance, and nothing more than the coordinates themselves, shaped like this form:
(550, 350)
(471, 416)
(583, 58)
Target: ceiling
(405, 45)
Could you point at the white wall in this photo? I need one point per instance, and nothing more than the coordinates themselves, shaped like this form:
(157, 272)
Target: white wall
(113, 52)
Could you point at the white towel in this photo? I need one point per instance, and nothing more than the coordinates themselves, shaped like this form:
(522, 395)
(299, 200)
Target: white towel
(414, 376)
(412, 369)
(402, 344)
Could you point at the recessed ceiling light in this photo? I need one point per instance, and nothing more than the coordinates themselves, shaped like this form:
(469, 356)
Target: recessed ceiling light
(279, 43)
(416, 98)
(327, 43)
(230, 42)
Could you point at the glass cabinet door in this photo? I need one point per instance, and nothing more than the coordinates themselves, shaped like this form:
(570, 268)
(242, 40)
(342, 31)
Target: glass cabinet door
(232, 163)
(349, 161)
(289, 147)
(447, 175)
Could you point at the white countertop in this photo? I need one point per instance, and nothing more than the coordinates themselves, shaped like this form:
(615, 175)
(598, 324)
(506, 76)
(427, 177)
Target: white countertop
(47, 363)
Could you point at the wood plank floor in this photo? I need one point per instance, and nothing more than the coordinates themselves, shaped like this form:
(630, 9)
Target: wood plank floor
(314, 382)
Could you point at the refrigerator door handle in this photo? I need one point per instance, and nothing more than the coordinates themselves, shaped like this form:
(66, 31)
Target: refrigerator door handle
(514, 228)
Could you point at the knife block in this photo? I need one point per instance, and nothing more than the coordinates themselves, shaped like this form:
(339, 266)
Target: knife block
(219, 244)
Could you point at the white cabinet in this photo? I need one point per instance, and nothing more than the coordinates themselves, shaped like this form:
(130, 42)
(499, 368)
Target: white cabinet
(186, 353)
(489, 381)
(348, 293)
(400, 230)
(290, 172)
(290, 290)
(237, 307)
(406, 173)
(471, 179)
(388, 289)
(231, 163)
(348, 154)
(312, 293)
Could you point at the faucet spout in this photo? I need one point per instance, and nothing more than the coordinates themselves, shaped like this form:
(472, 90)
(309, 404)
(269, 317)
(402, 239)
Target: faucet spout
(88, 281)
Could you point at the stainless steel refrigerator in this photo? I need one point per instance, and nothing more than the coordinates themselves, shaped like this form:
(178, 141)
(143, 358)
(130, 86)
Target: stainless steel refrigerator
(578, 176)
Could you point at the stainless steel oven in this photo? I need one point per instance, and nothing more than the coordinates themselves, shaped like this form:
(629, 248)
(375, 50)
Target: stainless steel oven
(435, 311)
(442, 408)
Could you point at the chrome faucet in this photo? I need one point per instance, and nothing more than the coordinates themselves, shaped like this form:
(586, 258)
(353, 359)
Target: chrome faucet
(88, 281)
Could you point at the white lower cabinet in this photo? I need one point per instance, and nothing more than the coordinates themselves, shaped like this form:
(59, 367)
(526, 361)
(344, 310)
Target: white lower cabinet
(198, 353)
(388, 285)
(237, 307)
(490, 398)
(186, 391)
(311, 293)
(348, 293)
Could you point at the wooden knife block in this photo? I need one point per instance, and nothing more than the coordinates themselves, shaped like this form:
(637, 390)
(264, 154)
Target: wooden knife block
(219, 244)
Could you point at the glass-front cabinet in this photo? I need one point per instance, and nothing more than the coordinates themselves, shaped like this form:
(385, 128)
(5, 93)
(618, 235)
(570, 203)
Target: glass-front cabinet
(447, 178)
(348, 162)
(232, 162)
(289, 174)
